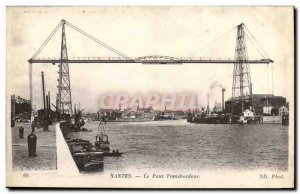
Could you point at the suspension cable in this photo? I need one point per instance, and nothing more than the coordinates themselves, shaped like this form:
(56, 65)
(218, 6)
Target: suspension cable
(192, 54)
(47, 40)
(97, 41)
(255, 46)
(257, 41)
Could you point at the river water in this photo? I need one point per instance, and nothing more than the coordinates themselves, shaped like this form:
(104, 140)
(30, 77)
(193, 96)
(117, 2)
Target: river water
(169, 145)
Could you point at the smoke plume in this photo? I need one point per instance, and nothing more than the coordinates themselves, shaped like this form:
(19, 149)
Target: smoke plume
(215, 85)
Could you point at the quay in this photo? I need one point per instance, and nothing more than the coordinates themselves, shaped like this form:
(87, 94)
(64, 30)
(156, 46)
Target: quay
(52, 151)
(45, 149)
(65, 162)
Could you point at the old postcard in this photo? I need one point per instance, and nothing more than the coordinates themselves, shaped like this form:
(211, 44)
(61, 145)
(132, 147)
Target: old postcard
(150, 97)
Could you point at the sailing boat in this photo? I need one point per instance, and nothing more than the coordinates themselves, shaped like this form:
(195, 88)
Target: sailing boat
(102, 138)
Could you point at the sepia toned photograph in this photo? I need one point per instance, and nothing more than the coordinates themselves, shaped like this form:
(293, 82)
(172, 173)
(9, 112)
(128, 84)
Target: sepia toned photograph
(150, 97)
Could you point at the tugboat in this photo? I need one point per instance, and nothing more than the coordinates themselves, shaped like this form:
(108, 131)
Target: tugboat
(86, 156)
(102, 138)
(285, 120)
(102, 142)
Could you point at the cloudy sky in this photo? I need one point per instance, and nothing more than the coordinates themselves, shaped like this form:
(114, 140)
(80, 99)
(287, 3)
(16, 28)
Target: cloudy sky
(143, 31)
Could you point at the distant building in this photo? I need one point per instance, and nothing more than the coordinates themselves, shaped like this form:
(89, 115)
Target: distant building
(110, 114)
(267, 110)
(248, 113)
(20, 100)
(283, 111)
(263, 104)
(131, 114)
(145, 110)
(217, 109)
(20, 105)
(103, 112)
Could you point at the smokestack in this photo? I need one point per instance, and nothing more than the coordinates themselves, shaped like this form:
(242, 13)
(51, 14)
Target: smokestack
(223, 91)
(207, 103)
(57, 104)
(47, 111)
(13, 107)
(49, 102)
(43, 87)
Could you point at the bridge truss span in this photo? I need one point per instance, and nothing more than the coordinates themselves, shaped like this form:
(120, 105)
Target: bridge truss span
(147, 60)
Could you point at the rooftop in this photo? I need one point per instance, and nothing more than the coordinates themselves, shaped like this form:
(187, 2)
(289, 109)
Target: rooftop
(256, 96)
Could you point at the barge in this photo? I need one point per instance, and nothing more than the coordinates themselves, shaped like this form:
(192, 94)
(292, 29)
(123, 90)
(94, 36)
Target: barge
(86, 156)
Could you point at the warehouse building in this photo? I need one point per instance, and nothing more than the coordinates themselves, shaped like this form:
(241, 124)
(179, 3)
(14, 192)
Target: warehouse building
(264, 104)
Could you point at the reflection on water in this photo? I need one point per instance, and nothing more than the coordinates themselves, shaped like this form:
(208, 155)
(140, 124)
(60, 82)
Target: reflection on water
(169, 145)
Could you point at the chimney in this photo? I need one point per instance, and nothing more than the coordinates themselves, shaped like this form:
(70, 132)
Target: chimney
(223, 91)
(43, 88)
(46, 110)
(207, 103)
(49, 105)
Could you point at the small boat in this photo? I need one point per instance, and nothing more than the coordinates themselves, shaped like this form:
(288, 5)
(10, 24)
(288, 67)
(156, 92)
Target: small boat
(102, 142)
(285, 120)
(102, 138)
(85, 129)
(95, 161)
(113, 153)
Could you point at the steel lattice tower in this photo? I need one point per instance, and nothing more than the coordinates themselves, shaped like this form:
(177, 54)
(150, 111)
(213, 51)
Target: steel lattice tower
(64, 100)
(241, 86)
